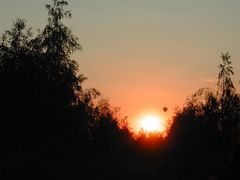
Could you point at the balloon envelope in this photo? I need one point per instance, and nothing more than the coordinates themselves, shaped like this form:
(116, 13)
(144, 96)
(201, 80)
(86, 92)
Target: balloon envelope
(165, 109)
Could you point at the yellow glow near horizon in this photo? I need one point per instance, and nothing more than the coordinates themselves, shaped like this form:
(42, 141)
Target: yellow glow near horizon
(152, 123)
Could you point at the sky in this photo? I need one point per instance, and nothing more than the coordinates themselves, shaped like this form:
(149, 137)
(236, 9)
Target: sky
(145, 54)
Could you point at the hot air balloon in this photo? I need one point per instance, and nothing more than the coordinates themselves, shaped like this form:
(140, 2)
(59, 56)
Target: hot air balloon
(165, 109)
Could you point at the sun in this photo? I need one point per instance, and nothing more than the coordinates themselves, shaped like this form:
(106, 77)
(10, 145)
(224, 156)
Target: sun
(152, 123)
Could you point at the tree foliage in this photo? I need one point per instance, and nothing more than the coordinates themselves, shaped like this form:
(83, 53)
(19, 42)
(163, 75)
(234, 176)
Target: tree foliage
(44, 109)
(207, 127)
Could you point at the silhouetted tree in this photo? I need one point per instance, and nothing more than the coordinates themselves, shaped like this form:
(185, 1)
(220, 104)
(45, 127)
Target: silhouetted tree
(226, 92)
(207, 126)
(41, 111)
(45, 112)
(107, 129)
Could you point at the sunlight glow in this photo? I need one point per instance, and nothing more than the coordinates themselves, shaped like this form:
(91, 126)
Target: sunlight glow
(152, 123)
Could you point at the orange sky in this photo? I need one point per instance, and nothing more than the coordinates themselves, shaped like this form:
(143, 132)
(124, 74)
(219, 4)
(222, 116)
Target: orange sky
(144, 55)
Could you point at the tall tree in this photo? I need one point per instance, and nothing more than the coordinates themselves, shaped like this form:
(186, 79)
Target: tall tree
(39, 80)
(39, 97)
(226, 94)
(59, 43)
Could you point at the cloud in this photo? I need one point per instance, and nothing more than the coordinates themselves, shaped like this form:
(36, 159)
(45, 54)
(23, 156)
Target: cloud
(209, 80)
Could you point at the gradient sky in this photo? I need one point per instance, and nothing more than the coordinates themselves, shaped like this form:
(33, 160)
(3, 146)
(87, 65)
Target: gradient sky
(145, 54)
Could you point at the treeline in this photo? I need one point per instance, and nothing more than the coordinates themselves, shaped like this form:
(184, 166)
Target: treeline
(51, 127)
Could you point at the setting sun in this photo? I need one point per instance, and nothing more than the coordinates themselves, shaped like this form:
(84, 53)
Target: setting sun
(152, 123)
